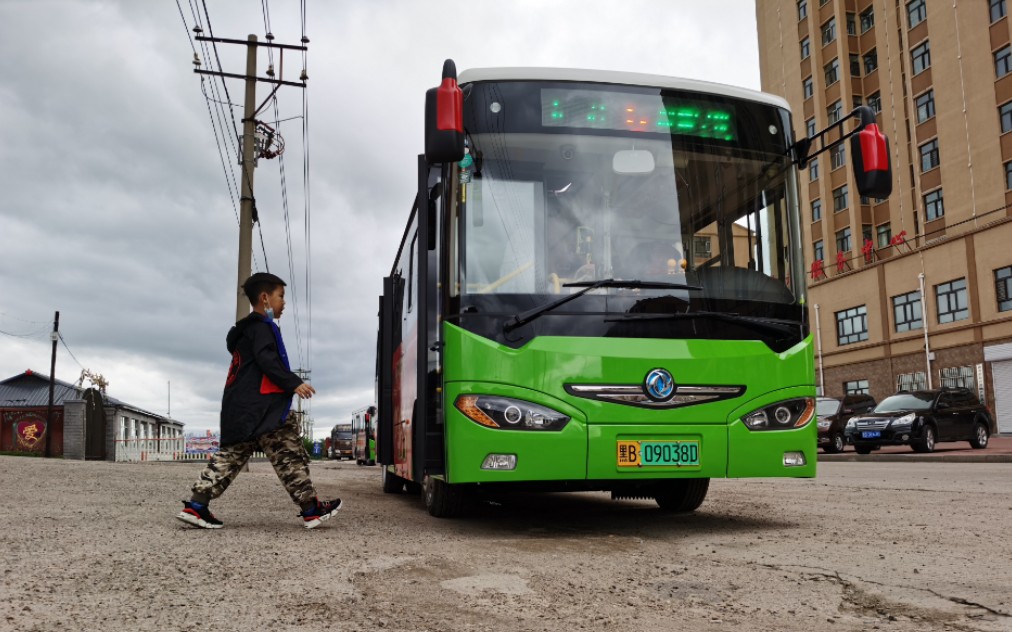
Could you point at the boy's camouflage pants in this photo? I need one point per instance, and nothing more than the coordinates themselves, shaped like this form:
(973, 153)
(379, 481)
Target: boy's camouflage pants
(286, 452)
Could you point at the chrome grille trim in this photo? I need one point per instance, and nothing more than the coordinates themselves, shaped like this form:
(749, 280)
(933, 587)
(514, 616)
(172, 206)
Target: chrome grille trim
(635, 395)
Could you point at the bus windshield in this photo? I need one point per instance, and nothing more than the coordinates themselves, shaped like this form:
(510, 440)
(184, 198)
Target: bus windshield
(569, 183)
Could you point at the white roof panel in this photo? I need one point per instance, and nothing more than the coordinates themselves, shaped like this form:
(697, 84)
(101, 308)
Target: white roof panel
(619, 78)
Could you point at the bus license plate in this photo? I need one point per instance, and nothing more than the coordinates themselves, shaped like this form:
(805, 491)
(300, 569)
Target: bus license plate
(871, 434)
(657, 453)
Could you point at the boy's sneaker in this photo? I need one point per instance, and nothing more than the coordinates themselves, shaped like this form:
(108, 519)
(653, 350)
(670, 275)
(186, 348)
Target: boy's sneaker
(199, 516)
(312, 518)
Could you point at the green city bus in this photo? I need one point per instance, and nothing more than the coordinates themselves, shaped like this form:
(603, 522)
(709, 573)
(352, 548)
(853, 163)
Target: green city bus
(601, 286)
(363, 436)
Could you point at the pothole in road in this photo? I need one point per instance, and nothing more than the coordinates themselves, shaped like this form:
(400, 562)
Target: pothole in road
(479, 584)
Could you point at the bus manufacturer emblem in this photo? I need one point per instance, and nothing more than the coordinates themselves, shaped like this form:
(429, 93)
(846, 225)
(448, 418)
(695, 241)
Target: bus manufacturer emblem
(659, 385)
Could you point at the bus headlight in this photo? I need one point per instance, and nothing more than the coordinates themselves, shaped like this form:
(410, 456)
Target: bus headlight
(509, 414)
(791, 413)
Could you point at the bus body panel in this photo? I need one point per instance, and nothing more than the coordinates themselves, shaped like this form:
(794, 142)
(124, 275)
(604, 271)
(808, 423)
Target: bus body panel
(540, 371)
(542, 455)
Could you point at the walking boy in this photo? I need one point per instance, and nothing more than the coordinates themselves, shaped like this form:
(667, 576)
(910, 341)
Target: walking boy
(255, 412)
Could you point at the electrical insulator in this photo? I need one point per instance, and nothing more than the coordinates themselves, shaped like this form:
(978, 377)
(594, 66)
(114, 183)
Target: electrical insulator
(270, 70)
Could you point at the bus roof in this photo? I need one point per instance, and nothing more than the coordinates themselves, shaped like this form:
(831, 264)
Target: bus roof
(619, 78)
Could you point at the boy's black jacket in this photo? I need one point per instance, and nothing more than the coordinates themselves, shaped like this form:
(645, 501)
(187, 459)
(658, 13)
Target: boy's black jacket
(259, 388)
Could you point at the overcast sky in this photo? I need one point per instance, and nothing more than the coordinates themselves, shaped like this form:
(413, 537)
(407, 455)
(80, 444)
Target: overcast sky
(115, 208)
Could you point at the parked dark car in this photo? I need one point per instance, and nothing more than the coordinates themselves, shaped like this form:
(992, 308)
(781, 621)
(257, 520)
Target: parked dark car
(921, 419)
(833, 414)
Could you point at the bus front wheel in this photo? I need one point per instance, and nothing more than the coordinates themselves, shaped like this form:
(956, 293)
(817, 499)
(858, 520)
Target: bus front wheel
(442, 500)
(682, 495)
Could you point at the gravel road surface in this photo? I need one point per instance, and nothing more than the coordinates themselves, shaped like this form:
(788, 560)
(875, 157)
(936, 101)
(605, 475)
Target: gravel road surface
(865, 546)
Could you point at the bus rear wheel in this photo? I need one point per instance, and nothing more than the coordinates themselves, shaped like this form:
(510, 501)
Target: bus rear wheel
(682, 495)
(442, 500)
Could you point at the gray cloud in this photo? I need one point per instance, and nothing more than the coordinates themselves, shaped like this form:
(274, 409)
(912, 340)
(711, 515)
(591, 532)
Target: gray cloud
(115, 209)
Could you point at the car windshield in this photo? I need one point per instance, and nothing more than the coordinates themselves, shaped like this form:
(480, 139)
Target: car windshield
(905, 401)
(824, 407)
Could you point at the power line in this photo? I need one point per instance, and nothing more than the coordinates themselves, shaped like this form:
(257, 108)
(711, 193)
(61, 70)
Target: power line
(60, 336)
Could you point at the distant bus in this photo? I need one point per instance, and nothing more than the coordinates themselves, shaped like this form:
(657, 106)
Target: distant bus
(601, 286)
(364, 436)
(341, 442)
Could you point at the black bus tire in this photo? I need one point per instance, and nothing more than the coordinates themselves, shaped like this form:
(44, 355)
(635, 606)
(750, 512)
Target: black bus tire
(682, 495)
(442, 500)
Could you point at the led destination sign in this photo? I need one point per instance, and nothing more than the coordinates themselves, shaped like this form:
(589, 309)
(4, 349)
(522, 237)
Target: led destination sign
(595, 109)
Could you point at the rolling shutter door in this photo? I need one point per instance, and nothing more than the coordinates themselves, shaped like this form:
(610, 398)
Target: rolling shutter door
(1002, 374)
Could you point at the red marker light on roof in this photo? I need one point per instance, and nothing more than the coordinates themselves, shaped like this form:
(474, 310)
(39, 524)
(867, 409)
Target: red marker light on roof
(449, 102)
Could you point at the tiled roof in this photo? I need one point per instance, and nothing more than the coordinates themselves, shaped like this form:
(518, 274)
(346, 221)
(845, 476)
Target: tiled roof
(31, 389)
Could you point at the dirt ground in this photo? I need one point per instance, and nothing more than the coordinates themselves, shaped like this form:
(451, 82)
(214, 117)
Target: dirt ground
(866, 546)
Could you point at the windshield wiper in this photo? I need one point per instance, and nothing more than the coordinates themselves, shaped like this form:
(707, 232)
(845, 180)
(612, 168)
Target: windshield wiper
(770, 325)
(521, 319)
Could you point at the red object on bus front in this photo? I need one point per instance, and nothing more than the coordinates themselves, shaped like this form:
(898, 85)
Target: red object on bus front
(449, 106)
(874, 152)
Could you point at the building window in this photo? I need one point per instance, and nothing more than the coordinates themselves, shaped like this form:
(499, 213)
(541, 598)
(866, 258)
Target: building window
(907, 311)
(832, 71)
(926, 106)
(852, 325)
(802, 9)
(875, 102)
(1003, 62)
(951, 300)
(912, 381)
(834, 112)
(810, 127)
(805, 48)
(916, 12)
(840, 200)
(851, 24)
(867, 19)
(934, 206)
(997, 10)
(1008, 175)
(856, 101)
(843, 240)
(816, 210)
(884, 235)
(870, 61)
(929, 155)
(855, 66)
(829, 31)
(838, 156)
(819, 250)
(958, 377)
(921, 57)
(856, 387)
(806, 88)
(1005, 115)
(1003, 288)
(813, 170)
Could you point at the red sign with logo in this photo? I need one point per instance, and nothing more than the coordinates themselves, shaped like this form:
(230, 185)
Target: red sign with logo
(29, 432)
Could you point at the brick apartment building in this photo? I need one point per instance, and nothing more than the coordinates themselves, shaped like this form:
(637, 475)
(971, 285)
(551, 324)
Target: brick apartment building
(916, 289)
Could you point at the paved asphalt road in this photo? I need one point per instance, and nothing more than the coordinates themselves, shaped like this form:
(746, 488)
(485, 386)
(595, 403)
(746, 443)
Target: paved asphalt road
(870, 545)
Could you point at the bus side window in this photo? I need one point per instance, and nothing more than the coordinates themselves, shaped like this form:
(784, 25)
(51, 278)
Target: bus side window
(412, 280)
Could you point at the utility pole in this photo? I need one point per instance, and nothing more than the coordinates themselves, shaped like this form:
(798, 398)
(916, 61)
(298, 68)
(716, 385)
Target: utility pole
(307, 423)
(250, 151)
(242, 305)
(55, 336)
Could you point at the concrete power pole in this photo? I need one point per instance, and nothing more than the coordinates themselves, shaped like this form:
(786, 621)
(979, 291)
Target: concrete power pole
(242, 305)
(52, 386)
(250, 151)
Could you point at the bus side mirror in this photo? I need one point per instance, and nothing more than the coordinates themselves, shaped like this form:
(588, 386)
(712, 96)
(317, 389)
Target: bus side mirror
(444, 119)
(869, 149)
